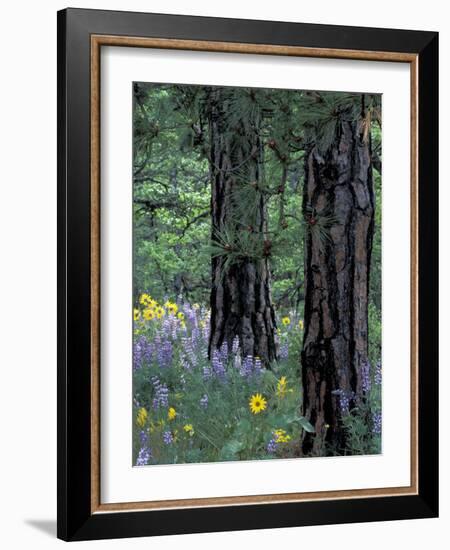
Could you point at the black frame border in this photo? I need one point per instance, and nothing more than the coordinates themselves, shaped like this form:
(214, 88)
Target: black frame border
(75, 521)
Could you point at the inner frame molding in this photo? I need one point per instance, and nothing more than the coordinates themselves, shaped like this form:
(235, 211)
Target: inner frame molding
(96, 42)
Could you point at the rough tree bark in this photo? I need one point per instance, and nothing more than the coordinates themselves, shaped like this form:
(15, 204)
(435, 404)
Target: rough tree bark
(338, 195)
(241, 301)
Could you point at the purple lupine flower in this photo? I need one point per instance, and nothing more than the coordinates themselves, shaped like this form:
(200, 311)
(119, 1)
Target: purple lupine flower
(246, 366)
(185, 363)
(161, 398)
(157, 339)
(143, 437)
(137, 355)
(165, 354)
(284, 350)
(173, 326)
(257, 366)
(204, 312)
(167, 438)
(165, 331)
(142, 352)
(207, 373)
(344, 398)
(217, 364)
(195, 336)
(204, 402)
(377, 375)
(272, 446)
(223, 352)
(205, 332)
(148, 351)
(376, 422)
(250, 365)
(365, 376)
(191, 314)
(188, 349)
(166, 328)
(204, 351)
(145, 454)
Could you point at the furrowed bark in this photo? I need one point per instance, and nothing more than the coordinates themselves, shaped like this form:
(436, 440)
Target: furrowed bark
(241, 301)
(338, 194)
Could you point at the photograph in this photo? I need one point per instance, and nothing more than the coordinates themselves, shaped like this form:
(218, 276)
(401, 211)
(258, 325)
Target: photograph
(257, 246)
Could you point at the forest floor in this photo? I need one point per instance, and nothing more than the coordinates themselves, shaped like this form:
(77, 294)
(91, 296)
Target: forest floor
(189, 408)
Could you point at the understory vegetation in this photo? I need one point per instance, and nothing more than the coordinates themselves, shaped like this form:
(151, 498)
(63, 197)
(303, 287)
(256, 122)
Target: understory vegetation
(188, 408)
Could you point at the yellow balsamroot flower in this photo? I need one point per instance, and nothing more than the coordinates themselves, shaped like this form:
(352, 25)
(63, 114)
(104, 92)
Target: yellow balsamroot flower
(282, 387)
(182, 324)
(141, 417)
(136, 314)
(257, 403)
(148, 314)
(145, 299)
(281, 436)
(180, 315)
(188, 428)
(172, 308)
(301, 324)
(160, 312)
(286, 321)
(172, 413)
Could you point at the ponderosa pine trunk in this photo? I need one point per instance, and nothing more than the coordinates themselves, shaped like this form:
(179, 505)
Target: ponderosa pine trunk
(338, 207)
(241, 301)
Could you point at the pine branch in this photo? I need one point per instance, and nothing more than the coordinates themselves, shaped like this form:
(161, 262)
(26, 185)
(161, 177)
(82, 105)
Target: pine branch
(193, 221)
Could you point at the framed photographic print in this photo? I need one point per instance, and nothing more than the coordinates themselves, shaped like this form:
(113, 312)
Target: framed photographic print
(247, 274)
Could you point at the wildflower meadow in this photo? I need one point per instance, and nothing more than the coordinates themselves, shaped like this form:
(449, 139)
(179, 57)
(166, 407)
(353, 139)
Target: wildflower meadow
(188, 408)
